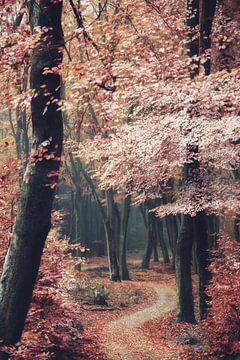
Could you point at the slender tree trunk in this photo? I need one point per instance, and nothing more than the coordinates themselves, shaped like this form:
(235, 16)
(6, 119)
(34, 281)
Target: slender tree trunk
(77, 216)
(155, 239)
(112, 237)
(183, 271)
(155, 250)
(148, 252)
(72, 219)
(34, 214)
(236, 174)
(172, 230)
(194, 257)
(162, 242)
(124, 273)
(117, 230)
(212, 229)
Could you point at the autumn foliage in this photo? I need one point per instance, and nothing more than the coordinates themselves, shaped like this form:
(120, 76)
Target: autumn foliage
(53, 329)
(130, 113)
(8, 199)
(223, 321)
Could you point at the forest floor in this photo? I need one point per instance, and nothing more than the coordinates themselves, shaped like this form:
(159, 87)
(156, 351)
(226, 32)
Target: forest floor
(137, 320)
(85, 316)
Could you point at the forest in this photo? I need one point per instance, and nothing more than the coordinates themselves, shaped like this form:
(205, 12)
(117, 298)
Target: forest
(120, 179)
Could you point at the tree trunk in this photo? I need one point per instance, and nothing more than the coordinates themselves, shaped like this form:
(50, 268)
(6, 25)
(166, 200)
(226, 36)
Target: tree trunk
(236, 174)
(172, 230)
(112, 237)
(77, 216)
(237, 228)
(229, 50)
(213, 230)
(155, 239)
(124, 273)
(162, 242)
(34, 214)
(203, 259)
(194, 257)
(72, 218)
(155, 243)
(148, 252)
(183, 271)
(206, 20)
(193, 44)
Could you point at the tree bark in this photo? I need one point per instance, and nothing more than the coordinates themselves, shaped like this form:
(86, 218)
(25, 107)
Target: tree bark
(155, 243)
(213, 230)
(148, 252)
(162, 242)
(193, 44)
(206, 20)
(203, 259)
(183, 271)
(124, 273)
(236, 174)
(229, 51)
(33, 220)
(112, 237)
(172, 231)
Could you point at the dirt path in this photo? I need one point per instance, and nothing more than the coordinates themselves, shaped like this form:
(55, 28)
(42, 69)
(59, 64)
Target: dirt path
(126, 342)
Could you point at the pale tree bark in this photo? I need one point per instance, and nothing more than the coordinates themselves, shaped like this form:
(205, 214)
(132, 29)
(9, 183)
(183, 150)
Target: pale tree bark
(33, 220)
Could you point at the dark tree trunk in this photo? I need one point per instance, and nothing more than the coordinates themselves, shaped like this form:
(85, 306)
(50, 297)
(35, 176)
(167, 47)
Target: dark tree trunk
(155, 243)
(172, 231)
(184, 246)
(112, 237)
(197, 224)
(237, 228)
(78, 216)
(148, 252)
(193, 44)
(229, 54)
(194, 258)
(117, 230)
(162, 242)
(34, 214)
(124, 273)
(72, 219)
(183, 271)
(21, 138)
(213, 230)
(203, 259)
(236, 174)
(206, 20)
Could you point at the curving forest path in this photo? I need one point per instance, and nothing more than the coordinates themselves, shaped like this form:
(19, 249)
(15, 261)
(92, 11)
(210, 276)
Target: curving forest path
(125, 341)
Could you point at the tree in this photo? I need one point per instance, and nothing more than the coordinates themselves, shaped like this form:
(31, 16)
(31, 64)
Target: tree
(153, 150)
(34, 213)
